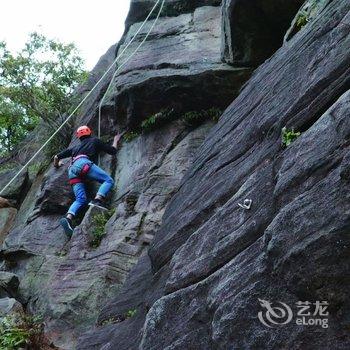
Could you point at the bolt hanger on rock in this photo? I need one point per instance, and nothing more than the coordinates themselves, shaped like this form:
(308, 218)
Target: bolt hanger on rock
(247, 204)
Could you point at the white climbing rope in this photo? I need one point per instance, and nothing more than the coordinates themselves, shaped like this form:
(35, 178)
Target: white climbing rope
(132, 55)
(86, 97)
(125, 62)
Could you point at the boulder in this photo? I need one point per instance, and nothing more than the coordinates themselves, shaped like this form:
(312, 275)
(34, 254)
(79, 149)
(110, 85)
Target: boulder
(9, 283)
(7, 218)
(9, 306)
(18, 189)
(26, 212)
(56, 193)
(43, 235)
(112, 324)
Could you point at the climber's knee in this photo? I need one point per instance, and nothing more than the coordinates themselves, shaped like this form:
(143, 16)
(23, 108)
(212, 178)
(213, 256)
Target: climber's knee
(110, 181)
(106, 186)
(82, 200)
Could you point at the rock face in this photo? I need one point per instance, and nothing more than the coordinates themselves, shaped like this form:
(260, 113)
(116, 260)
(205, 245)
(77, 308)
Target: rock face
(210, 261)
(17, 190)
(8, 284)
(9, 306)
(305, 15)
(69, 282)
(254, 29)
(179, 68)
(7, 218)
(139, 9)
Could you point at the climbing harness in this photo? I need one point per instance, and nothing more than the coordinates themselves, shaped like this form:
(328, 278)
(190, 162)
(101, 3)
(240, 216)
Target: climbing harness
(79, 157)
(247, 204)
(124, 63)
(88, 94)
(81, 178)
(82, 174)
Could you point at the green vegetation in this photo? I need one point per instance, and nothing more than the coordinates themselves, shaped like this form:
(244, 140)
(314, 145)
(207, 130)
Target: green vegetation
(192, 118)
(302, 20)
(195, 118)
(130, 135)
(99, 222)
(117, 319)
(36, 86)
(155, 121)
(130, 313)
(149, 122)
(109, 321)
(289, 136)
(7, 167)
(19, 331)
(62, 253)
(308, 12)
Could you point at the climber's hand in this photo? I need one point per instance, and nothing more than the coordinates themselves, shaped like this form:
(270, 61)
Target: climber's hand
(117, 138)
(56, 162)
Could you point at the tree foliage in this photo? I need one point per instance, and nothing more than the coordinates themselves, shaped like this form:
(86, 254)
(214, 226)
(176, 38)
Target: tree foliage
(36, 84)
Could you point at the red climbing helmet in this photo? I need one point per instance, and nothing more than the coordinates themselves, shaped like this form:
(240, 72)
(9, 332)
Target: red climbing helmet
(83, 131)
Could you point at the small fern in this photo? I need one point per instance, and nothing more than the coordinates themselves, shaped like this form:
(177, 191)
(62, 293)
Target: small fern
(20, 331)
(99, 223)
(289, 136)
(130, 135)
(302, 20)
(130, 313)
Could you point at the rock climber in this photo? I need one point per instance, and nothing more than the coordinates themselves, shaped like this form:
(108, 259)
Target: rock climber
(84, 156)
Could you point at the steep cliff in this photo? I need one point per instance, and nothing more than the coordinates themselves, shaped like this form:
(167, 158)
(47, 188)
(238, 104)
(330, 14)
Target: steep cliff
(179, 180)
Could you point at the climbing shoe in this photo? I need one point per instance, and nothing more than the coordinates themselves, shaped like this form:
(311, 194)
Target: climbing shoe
(67, 226)
(98, 203)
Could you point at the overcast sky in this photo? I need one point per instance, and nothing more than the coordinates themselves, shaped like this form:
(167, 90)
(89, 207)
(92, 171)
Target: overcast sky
(92, 25)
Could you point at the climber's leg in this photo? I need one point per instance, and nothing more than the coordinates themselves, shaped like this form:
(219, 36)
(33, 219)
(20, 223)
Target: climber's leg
(107, 183)
(79, 203)
(80, 199)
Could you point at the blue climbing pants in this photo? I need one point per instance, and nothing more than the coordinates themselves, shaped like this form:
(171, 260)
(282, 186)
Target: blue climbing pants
(95, 173)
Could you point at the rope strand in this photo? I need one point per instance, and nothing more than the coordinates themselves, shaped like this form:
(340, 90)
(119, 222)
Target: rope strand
(84, 99)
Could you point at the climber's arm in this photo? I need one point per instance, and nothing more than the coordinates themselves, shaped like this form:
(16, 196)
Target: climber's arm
(112, 150)
(56, 162)
(116, 140)
(64, 154)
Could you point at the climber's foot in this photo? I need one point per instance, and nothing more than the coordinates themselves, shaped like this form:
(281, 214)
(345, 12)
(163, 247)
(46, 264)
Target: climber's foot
(67, 226)
(98, 203)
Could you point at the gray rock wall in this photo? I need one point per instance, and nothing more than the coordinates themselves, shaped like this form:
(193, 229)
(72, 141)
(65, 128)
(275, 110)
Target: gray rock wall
(211, 261)
(253, 30)
(179, 68)
(198, 285)
(67, 281)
